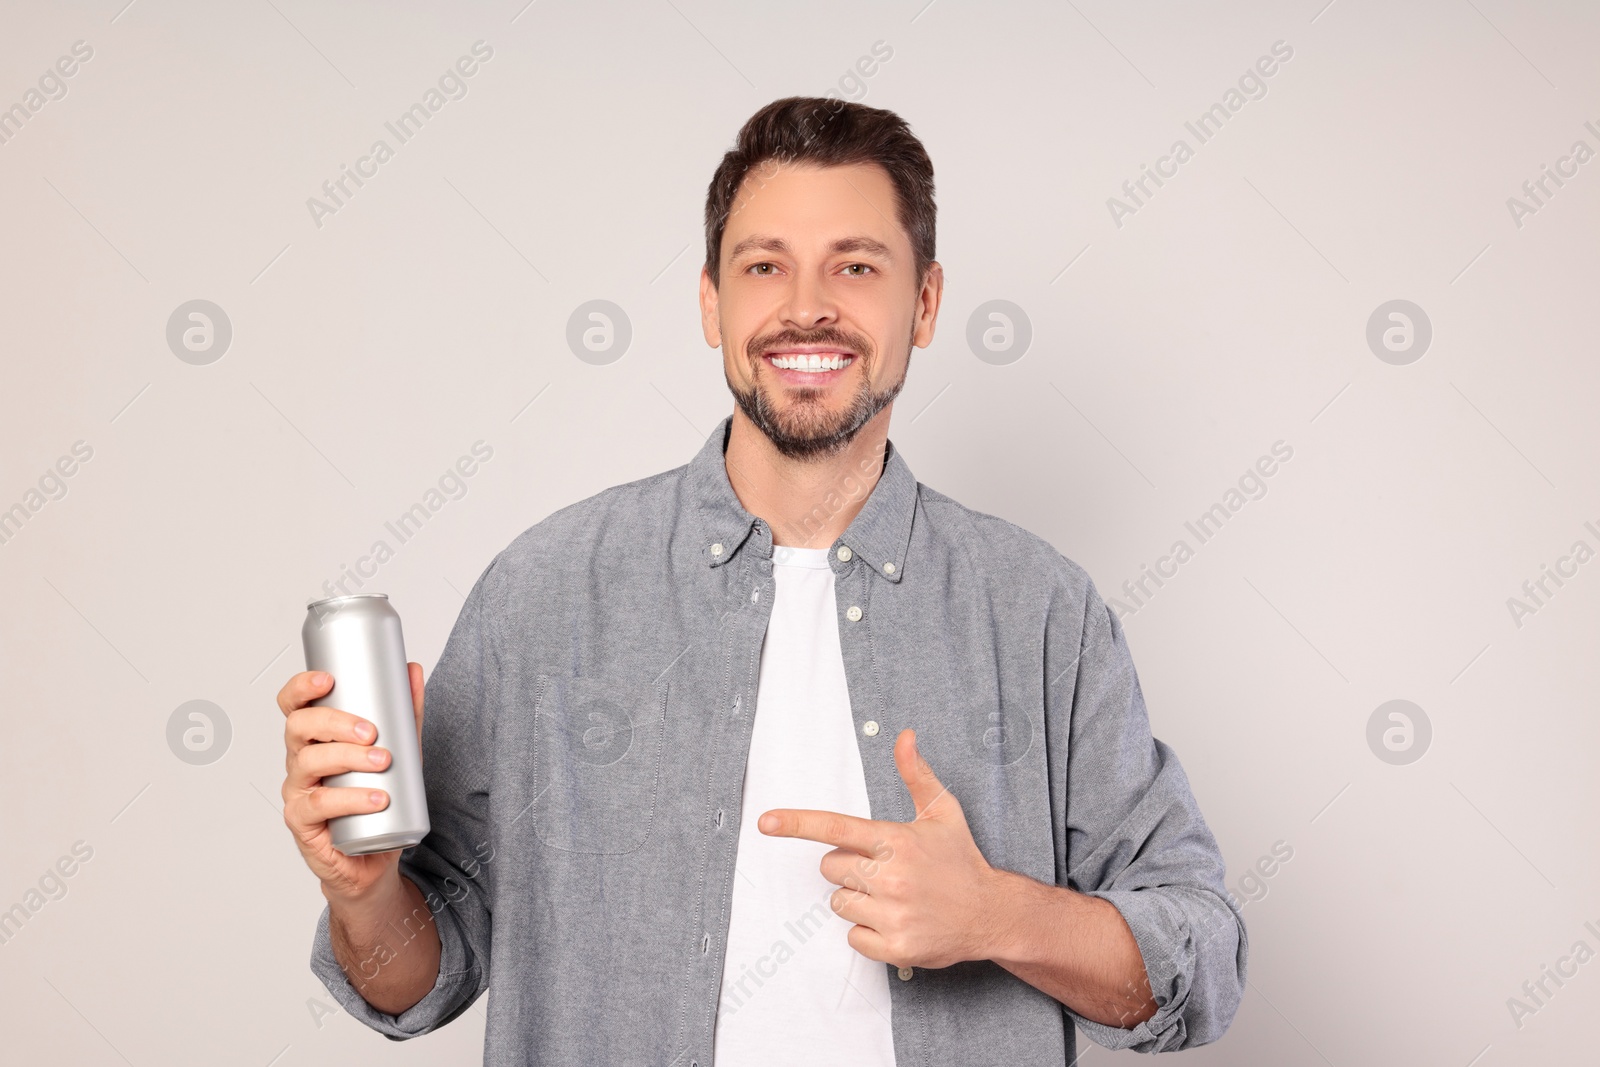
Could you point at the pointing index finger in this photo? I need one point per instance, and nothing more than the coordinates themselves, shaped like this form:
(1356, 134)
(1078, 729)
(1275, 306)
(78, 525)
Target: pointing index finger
(827, 827)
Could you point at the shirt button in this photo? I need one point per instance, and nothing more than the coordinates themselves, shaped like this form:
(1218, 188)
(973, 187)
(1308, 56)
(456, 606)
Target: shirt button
(854, 614)
(888, 568)
(716, 549)
(870, 728)
(905, 974)
(844, 553)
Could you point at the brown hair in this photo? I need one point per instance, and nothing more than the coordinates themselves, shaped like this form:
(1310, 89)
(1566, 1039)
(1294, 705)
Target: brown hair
(823, 131)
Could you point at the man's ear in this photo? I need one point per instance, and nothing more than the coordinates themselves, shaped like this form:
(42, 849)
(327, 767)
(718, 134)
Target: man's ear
(709, 323)
(929, 297)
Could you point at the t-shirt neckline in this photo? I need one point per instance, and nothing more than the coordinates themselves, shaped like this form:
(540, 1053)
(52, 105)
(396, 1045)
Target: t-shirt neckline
(794, 556)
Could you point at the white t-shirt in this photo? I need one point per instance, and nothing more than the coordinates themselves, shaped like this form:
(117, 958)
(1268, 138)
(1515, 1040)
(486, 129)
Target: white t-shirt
(793, 990)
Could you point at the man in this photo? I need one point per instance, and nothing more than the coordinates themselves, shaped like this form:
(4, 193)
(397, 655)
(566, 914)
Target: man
(781, 756)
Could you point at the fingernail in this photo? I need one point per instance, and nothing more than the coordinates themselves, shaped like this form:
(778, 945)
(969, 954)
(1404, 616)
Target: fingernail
(364, 729)
(768, 823)
(320, 678)
(375, 796)
(375, 756)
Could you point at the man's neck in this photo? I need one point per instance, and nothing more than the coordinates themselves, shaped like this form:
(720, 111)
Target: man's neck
(807, 503)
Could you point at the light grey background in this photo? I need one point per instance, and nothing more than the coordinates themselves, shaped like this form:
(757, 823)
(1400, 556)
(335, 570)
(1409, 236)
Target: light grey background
(1168, 353)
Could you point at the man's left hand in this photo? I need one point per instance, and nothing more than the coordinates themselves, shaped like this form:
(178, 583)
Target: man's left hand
(919, 892)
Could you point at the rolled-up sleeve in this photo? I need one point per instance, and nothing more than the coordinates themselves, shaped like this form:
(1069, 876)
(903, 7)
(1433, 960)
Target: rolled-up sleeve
(1134, 836)
(451, 865)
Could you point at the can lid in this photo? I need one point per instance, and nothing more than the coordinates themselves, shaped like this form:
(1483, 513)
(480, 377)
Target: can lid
(353, 596)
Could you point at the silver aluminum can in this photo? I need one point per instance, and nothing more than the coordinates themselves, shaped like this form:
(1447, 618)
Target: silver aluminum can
(357, 640)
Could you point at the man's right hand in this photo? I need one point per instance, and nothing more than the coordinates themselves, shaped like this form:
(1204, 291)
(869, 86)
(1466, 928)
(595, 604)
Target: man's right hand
(322, 742)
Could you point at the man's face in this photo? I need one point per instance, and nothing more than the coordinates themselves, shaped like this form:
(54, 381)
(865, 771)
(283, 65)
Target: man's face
(819, 304)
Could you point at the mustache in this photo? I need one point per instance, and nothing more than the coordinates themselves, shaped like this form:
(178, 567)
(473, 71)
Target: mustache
(785, 338)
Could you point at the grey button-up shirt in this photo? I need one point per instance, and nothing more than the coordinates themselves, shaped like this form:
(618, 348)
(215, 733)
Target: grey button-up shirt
(584, 751)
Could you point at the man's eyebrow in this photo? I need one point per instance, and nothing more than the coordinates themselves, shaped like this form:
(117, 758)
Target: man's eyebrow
(777, 245)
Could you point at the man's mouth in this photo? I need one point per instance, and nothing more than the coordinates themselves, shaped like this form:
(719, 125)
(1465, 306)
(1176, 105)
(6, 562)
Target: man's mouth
(808, 359)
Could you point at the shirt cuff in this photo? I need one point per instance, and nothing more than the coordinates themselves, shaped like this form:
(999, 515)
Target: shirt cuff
(452, 992)
(1167, 946)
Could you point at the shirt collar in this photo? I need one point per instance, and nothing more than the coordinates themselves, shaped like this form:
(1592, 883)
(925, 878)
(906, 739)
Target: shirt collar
(878, 535)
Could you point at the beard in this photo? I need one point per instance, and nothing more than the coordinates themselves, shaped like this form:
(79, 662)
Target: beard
(806, 429)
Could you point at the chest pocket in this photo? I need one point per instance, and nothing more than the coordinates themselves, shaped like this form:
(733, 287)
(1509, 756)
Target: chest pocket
(597, 762)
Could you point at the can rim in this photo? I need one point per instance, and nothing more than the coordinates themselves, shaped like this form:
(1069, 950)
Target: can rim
(350, 596)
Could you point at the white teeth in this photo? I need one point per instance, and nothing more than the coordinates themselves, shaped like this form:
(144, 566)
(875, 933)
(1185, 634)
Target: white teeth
(812, 362)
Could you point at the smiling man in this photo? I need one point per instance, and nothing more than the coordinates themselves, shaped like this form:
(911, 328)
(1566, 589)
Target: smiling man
(781, 756)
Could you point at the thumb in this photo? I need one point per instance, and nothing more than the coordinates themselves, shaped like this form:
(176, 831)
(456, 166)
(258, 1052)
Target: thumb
(414, 672)
(924, 786)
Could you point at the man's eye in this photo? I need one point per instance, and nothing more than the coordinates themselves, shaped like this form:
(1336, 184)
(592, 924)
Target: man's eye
(758, 266)
(863, 266)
